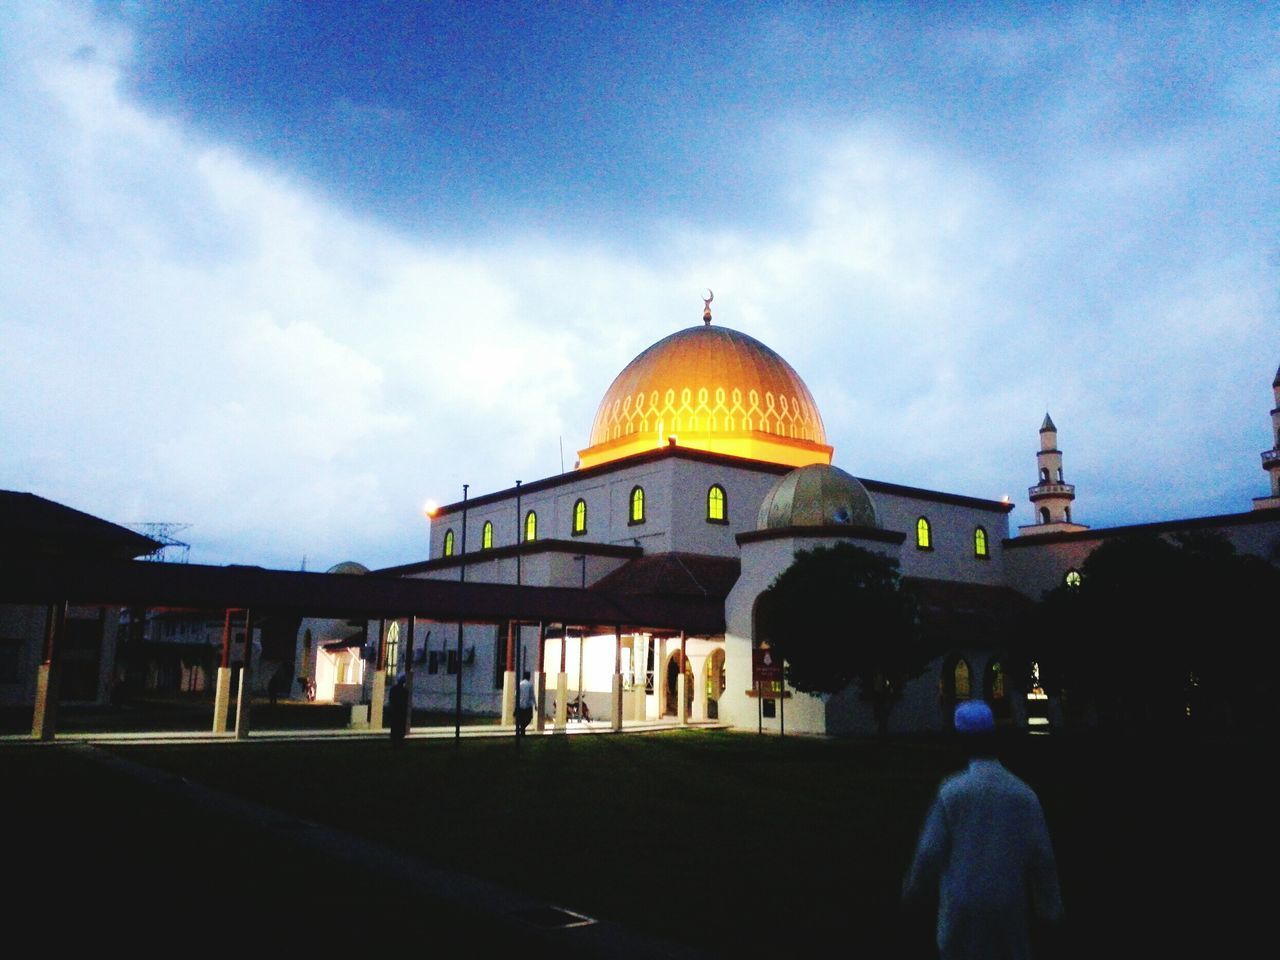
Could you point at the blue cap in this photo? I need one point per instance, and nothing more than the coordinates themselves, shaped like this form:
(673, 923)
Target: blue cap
(974, 716)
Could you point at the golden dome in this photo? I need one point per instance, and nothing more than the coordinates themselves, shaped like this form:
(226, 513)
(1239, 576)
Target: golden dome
(709, 388)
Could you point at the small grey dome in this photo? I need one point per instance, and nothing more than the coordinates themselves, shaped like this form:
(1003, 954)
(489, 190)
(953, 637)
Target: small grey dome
(349, 567)
(817, 496)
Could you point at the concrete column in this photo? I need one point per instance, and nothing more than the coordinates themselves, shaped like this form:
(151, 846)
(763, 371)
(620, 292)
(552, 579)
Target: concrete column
(540, 681)
(378, 699)
(245, 697)
(508, 698)
(221, 699)
(699, 666)
(616, 693)
(222, 692)
(44, 721)
(540, 706)
(562, 700)
(616, 719)
(638, 654)
(660, 676)
(509, 679)
(411, 625)
(682, 692)
(44, 718)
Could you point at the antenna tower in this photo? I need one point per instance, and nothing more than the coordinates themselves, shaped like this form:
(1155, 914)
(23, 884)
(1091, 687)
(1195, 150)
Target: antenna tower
(172, 550)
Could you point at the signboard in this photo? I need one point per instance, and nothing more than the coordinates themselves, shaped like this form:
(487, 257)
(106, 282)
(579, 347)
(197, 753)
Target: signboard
(766, 667)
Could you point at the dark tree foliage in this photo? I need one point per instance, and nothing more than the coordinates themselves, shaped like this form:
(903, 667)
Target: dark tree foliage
(838, 615)
(1162, 631)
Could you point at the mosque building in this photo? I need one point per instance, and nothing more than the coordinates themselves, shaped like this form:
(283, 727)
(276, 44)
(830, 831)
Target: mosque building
(707, 469)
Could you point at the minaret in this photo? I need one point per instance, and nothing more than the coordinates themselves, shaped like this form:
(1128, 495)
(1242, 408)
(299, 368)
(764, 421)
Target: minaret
(1271, 458)
(1051, 497)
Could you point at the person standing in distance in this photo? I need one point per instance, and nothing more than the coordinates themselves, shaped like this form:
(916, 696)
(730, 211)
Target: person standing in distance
(985, 849)
(524, 704)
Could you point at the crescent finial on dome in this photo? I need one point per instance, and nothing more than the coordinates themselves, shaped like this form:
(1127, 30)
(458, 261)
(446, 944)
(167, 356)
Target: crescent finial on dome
(706, 306)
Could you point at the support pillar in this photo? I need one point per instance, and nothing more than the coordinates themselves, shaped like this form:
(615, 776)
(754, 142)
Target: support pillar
(378, 691)
(411, 623)
(562, 701)
(245, 697)
(660, 676)
(44, 719)
(682, 680)
(616, 718)
(509, 679)
(540, 682)
(377, 699)
(699, 688)
(562, 682)
(221, 699)
(639, 661)
(222, 689)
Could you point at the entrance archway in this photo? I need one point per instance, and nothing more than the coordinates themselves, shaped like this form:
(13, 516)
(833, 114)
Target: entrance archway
(674, 664)
(714, 678)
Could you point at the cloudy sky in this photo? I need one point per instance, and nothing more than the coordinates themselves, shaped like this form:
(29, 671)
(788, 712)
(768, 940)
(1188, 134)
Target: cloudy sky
(284, 271)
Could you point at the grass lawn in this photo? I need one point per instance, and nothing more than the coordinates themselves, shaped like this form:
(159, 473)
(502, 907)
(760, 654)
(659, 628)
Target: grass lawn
(760, 846)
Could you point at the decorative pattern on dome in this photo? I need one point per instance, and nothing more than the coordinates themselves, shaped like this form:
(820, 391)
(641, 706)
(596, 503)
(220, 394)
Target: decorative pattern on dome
(727, 411)
(709, 388)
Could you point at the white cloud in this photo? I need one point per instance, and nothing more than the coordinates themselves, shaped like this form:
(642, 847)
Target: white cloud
(189, 336)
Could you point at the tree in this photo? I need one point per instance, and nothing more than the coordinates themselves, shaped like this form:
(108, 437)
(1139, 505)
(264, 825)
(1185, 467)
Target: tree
(1162, 630)
(838, 615)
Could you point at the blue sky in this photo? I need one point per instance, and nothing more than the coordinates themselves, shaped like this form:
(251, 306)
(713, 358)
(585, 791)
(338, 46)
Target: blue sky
(284, 271)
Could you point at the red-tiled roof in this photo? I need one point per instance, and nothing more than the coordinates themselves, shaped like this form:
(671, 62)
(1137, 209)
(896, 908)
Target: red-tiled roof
(672, 575)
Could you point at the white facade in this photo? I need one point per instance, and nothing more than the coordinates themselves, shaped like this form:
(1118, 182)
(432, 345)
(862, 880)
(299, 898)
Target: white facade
(588, 527)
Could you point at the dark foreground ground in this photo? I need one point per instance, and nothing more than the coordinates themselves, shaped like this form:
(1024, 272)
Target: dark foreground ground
(729, 843)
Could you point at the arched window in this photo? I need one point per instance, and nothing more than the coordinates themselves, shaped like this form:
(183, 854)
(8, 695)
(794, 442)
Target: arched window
(1066, 512)
(963, 686)
(924, 535)
(1044, 474)
(1072, 579)
(716, 511)
(1044, 514)
(637, 506)
(448, 542)
(579, 518)
(1059, 474)
(980, 542)
(486, 536)
(531, 526)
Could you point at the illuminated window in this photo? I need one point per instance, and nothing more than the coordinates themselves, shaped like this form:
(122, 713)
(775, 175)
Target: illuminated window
(580, 518)
(1072, 579)
(393, 648)
(716, 512)
(924, 536)
(448, 543)
(962, 684)
(637, 505)
(486, 536)
(980, 542)
(531, 526)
